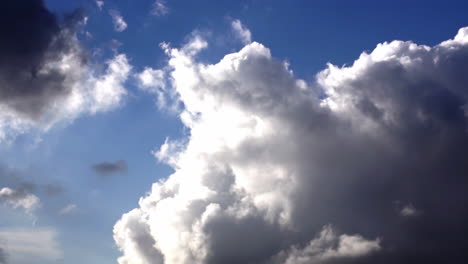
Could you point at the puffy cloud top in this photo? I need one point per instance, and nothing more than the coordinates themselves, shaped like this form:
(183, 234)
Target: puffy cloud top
(272, 163)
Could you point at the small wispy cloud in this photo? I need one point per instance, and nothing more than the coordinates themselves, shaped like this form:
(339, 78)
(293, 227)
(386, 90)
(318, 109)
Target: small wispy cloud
(241, 31)
(160, 8)
(409, 211)
(118, 21)
(100, 4)
(68, 209)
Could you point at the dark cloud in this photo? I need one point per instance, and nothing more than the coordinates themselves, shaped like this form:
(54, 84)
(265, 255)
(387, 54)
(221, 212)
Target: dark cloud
(33, 39)
(373, 172)
(110, 168)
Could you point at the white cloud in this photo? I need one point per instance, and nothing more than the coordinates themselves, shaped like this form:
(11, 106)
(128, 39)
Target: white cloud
(70, 208)
(100, 4)
(19, 199)
(154, 81)
(409, 211)
(267, 162)
(329, 246)
(160, 8)
(241, 31)
(37, 245)
(118, 21)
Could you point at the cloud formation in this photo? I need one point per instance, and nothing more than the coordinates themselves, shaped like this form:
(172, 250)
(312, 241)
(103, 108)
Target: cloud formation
(241, 31)
(328, 246)
(34, 245)
(70, 208)
(270, 160)
(110, 168)
(19, 198)
(160, 8)
(100, 4)
(118, 21)
(45, 76)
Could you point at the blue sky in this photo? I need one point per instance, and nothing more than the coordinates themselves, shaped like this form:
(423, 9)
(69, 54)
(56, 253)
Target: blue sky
(306, 34)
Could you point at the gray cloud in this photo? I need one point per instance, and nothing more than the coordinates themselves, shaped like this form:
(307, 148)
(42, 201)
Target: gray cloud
(45, 75)
(268, 164)
(27, 83)
(110, 168)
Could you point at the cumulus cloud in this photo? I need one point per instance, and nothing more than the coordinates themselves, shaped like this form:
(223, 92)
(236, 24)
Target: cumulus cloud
(160, 8)
(270, 159)
(241, 31)
(118, 21)
(19, 199)
(110, 168)
(45, 76)
(36, 245)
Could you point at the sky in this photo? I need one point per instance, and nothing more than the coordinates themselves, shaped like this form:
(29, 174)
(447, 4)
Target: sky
(250, 131)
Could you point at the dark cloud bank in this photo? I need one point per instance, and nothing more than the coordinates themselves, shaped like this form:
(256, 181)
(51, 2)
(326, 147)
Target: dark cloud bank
(375, 172)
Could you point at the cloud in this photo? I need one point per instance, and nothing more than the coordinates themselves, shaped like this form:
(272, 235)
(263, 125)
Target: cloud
(160, 8)
(119, 23)
(409, 211)
(19, 199)
(110, 168)
(30, 245)
(241, 31)
(100, 4)
(70, 208)
(328, 246)
(270, 159)
(45, 77)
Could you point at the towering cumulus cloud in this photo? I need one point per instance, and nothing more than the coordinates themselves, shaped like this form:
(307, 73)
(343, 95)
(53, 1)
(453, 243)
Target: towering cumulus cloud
(276, 170)
(45, 76)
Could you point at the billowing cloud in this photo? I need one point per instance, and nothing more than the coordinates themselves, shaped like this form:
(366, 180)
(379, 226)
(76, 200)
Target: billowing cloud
(19, 199)
(160, 8)
(34, 245)
(241, 31)
(45, 76)
(118, 21)
(270, 160)
(110, 168)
